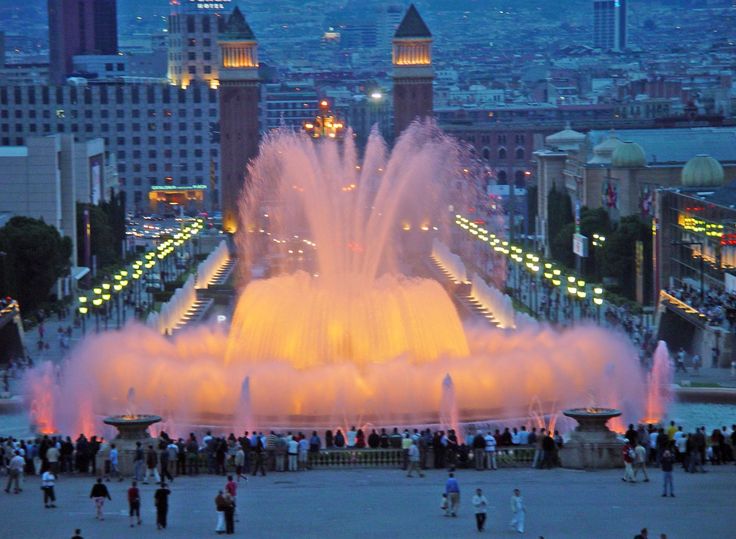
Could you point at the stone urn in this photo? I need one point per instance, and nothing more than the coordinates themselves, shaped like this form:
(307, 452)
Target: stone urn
(131, 429)
(592, 444)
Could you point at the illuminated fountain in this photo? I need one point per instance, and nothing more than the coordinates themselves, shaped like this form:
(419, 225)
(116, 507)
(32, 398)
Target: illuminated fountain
(347, 331)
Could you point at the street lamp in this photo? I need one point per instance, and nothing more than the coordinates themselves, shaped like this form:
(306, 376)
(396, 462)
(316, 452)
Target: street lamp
(702, 258)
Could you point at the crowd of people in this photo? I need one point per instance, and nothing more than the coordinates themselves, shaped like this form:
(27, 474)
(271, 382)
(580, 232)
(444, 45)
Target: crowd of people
(714, 303)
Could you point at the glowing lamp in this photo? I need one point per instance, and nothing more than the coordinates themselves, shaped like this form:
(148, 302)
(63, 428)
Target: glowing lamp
(598, 290)
(556, 271)
(97, 302)
(97, 290)
(83, 309)
(570, 279)
(82, 299)
(106, 297)
(581, 283)
(124, 283)
(106, 286)
(572, 290)
(598, 301)
(556, 282)
(581, 294)
(117, 277)
(124, 273)
(117, 287)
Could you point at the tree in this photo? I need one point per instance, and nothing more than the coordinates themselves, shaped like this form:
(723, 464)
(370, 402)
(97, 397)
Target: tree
(107, 229)
(620, 254)
(559, 215)
(37, 256)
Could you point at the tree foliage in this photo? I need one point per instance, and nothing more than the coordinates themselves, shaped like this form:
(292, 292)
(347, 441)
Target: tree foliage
(559, 215)
(107, 229)
(36, 257)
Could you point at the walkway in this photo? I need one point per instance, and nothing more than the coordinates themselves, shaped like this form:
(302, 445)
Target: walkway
(561, 504)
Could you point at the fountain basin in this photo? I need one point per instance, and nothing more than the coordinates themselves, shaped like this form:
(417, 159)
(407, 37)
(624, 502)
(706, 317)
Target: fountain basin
(592, 444)
(132, 429)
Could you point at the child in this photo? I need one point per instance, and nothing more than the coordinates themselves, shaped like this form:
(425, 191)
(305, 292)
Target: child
(444, 505)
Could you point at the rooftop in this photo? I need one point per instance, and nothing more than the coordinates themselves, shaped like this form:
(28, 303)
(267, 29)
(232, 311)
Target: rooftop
(677, 145)
(412, 25)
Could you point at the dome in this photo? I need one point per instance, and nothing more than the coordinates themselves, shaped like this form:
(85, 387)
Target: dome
(565, 139)
(702, 171)
(602, 152)
(628, 155)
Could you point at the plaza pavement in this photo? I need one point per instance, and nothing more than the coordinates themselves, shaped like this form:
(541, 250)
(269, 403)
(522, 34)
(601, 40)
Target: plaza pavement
(561, 504)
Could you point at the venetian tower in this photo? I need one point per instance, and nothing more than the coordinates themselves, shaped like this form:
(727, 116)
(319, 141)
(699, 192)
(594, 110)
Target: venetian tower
(239, 95)
(412, 71)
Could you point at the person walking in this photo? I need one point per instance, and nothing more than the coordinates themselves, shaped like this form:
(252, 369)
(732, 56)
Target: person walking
(163, 459)
(151, 466)
(48, 478)
(161, 500)
(640, 461)
(518, 511)
(414, 460)
(15, 472)
(220, 508)
(667, 465)
(98, 493)
(134, 503)
(480, 504)
(452, 489)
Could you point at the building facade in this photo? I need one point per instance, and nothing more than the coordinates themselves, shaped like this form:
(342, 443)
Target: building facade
(192, 40)
(239, 97)
(413, 73)
(79, 27)
(609, 25)
(159, 134)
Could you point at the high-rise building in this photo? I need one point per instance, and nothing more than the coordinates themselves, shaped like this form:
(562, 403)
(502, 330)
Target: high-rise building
(239, 96)
(79, 27)
(193, 29)
(412, 71)
(609, 25)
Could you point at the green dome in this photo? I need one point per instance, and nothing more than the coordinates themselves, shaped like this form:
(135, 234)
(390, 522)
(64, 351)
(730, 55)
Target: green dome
(628, 155)
(702, 171)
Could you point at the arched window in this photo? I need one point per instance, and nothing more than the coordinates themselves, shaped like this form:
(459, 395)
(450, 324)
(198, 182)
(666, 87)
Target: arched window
(486, 153)
(520, 153)
(501, 177)
(502, 153)
(519, 178)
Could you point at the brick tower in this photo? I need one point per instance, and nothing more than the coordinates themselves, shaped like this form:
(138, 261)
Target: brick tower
(239, 95)
(412, 71)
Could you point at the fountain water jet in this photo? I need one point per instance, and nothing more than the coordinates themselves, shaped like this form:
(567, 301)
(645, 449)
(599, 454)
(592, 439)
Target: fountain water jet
(659, 393)
(449, 417)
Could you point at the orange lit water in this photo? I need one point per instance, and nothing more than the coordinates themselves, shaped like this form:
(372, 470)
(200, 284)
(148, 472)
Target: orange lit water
(340, 335)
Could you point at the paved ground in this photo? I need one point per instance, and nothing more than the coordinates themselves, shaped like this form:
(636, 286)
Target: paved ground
(381, 503)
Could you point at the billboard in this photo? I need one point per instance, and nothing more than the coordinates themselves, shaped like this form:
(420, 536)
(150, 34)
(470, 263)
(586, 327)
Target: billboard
(95, 179)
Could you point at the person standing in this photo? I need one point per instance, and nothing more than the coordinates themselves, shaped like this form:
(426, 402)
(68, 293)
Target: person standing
(151, 466)
(627, 453)
(15, 472)
(258, 452)
(293, 450)
(414, 460)
(640, 461)
(98, 493)
(518, 511)
(231, 488)
(480, 503)
(229, 510)
(48, 478)
(134, 503)
(115, 463)
(220, 508)
(138, 462)
(490, 451)
(163, 458)
(667, 464)
(161, 499)
(452, 489)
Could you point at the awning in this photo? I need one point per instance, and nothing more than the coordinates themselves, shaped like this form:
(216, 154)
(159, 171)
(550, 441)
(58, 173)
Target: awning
(78, 272)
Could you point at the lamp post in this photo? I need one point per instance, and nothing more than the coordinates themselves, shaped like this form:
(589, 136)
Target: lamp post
(598, 300)
(83, 310)
(702, 269)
